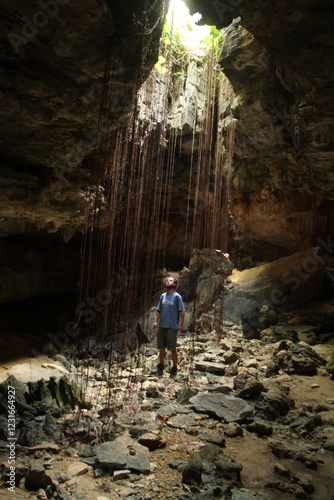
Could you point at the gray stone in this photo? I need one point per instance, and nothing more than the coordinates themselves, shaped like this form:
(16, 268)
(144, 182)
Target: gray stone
(210, 367)
(227, 466)
(21, 395)
(305, 360)
(220, 388)
(251, 388)
(302, 453)
(225, 407)
(183, 395)
(77, 469)
(166, 411)
(121, 474)
(177, 464)
(260, 427)
(275, 401)
(152, 441)
(230, 357)
(152, 392)
(245, 495)
(213, 437)
(183, 421)
(329, 444)
(250, 363)
(124, 453)
(85, 450)
(233, 429)
(298, 358)
(192, 471)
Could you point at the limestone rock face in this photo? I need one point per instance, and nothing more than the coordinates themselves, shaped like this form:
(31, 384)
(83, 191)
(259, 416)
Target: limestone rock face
(286, 283)
(54, 55)
(279, 62)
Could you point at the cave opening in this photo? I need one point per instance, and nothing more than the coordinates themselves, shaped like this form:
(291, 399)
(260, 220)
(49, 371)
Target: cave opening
(162, 182)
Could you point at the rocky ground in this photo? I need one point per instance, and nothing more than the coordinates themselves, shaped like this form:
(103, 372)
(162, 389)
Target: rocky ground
(243, 419)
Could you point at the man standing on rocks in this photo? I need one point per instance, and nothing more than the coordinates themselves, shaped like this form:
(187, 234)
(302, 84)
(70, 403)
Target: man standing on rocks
(169, 320)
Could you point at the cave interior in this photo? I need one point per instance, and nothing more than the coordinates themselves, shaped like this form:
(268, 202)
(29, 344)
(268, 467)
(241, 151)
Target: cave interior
(111, 174)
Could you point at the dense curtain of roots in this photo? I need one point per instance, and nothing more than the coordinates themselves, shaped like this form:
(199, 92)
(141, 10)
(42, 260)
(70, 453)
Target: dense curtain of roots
(128, 221)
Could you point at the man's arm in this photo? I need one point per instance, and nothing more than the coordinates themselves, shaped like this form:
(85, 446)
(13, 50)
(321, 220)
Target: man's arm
(182, 315)
(157, 317)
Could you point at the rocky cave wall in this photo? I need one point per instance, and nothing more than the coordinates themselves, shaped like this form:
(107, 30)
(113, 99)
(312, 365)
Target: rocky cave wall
(53, 63)
(53, 59)
(279, 61)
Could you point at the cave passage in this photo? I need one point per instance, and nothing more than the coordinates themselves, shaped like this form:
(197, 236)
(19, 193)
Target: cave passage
(161, 186)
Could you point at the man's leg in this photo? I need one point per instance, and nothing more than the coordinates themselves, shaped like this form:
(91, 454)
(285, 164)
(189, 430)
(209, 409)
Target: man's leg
(162, 355)
(161, 344)
(173, 371)
(174, 356)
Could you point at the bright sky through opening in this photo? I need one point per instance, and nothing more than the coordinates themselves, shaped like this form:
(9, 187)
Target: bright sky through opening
(185, 24)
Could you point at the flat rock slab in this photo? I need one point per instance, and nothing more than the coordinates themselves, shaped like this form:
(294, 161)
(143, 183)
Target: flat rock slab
(26, 372)
(210, 367)
(183, 421)
(54, 447)
(124, 453)
(77, 469)
(222, 406)
(152, 441)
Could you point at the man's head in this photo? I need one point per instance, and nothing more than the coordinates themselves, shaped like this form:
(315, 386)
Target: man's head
(171, 283)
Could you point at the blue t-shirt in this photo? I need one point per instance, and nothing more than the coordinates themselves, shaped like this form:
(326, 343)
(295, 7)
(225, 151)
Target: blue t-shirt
(169, 308)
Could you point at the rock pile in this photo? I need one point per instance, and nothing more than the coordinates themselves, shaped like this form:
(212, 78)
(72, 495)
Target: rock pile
(238, 410)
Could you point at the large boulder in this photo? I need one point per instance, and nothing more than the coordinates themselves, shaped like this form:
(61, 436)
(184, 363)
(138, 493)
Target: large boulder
(280, 285)
(204, 280)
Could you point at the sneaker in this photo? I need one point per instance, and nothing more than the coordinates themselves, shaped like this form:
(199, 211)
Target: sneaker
(159, 370)
(173, 371)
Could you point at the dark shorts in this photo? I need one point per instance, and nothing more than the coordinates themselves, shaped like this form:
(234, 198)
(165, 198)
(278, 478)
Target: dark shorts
(166, 338)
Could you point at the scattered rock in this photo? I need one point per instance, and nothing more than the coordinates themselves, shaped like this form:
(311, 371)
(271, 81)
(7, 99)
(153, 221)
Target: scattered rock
(210, 367)
(299, 358)
(238, 390)
(329, 444)
(184, 395)
(77, 469)
(260, 427)
(54, 447)
(213, 437)
(37, 479)
(233, 429)
(248, 387)
(152, 441)
(275, 401)
(121, 474)
(183, 421)
(124, 453)
(227, 466)
(225, 407)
